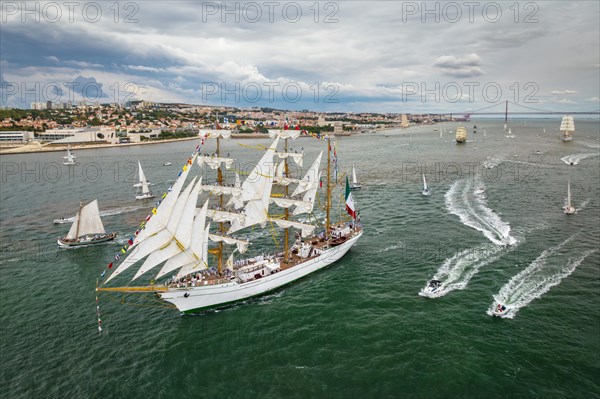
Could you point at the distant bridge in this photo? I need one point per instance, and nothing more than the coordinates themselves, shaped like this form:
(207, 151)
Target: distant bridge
(529, 111)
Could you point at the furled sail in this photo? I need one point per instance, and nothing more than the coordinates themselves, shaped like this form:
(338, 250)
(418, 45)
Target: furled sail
(256, 190)
(219, 190)
(224, 216)
(284, 134)
(242, 245)
(215, 162)
(87, 221)
(287, 202)
(307, 229)
(216, 133)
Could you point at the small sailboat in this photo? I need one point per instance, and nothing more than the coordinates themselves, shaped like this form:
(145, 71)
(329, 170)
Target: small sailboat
(70, 158)
(143, 183)
(569, 208)
(87, 229)
(355, 185)
(510, 135)
(567, 127)
(426, 191)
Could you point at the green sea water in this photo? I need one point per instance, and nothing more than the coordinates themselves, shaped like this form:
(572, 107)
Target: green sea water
(357, 329)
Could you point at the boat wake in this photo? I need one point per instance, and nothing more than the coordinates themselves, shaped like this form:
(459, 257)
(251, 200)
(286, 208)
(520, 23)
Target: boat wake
(108, 212)
(537, 279)
(466, 200)
(576, 158)
(456, 271)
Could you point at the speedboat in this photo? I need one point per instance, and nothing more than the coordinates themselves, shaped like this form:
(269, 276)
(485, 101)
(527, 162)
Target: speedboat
(500, 310)
(167, 164)
(479, 190)
(433, 286)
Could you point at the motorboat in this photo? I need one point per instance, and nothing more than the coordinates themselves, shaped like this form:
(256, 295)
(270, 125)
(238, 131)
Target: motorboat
(433, 286)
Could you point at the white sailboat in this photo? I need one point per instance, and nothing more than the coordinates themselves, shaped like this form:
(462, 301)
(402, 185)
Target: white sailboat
(426, 191)
(178, 234)
(567, 127)
(569, 208)
(355, 185)
(70, 158)
(144, 193)
(87, 228)
(510, 135)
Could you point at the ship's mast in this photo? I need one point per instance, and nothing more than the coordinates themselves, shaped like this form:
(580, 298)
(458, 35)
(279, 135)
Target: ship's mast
(221, 224)
(78, 217)
(286, 214)
(328, 187)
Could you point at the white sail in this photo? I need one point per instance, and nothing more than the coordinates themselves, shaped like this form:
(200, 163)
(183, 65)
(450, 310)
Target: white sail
(307, 229)
(257, 191)
(569, 194)
(229, 263)
(309, 198)
(143, 183)
(164, 210)
(199, 264)
(181, 237)
(69, 157)
(242, 245)
(354, 181)
(162, 230)
(295, 156)
(425, 183)
(215, 162)
(284, 134)
(311, 178)
(192, 253)
(87, 221)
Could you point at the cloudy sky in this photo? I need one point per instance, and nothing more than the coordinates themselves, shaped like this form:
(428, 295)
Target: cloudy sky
(346, 55)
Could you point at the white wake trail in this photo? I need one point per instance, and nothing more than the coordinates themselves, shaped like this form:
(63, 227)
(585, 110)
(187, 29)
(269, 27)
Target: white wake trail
(456, 272)
(576, 158)
(535, 280)
(470, 206)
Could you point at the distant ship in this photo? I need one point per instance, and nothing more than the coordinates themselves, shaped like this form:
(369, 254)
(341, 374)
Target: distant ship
(569, 209)
(143, 184)
(355, 185)
(461, 135)
(70, 158)
(567, 127)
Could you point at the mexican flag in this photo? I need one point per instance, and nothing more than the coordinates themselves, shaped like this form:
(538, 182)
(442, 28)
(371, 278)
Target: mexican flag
(350, 207)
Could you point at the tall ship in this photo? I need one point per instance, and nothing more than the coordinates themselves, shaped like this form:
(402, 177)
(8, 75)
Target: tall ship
(202, 263)
(567, 127)
(461, 135)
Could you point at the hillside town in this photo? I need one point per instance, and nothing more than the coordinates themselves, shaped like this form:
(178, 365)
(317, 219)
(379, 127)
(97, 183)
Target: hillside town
(139, 121)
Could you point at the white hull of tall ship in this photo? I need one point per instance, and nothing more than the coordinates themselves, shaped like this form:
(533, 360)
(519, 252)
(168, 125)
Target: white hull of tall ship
(195, 299)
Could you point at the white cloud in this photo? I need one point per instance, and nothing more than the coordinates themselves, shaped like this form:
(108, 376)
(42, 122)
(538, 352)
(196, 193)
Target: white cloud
(460, 67)
(564, 92)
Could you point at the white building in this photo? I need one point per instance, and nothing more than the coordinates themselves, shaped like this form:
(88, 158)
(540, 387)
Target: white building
(16, 136)
(80, 135)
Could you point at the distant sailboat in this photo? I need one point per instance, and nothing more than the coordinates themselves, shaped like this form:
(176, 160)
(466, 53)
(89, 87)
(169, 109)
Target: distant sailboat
(143, 183)
(354, 185)
(70, 158)
(510, 135)
(569, 208)
(567, 127)
(87, 229)
(426, 191)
